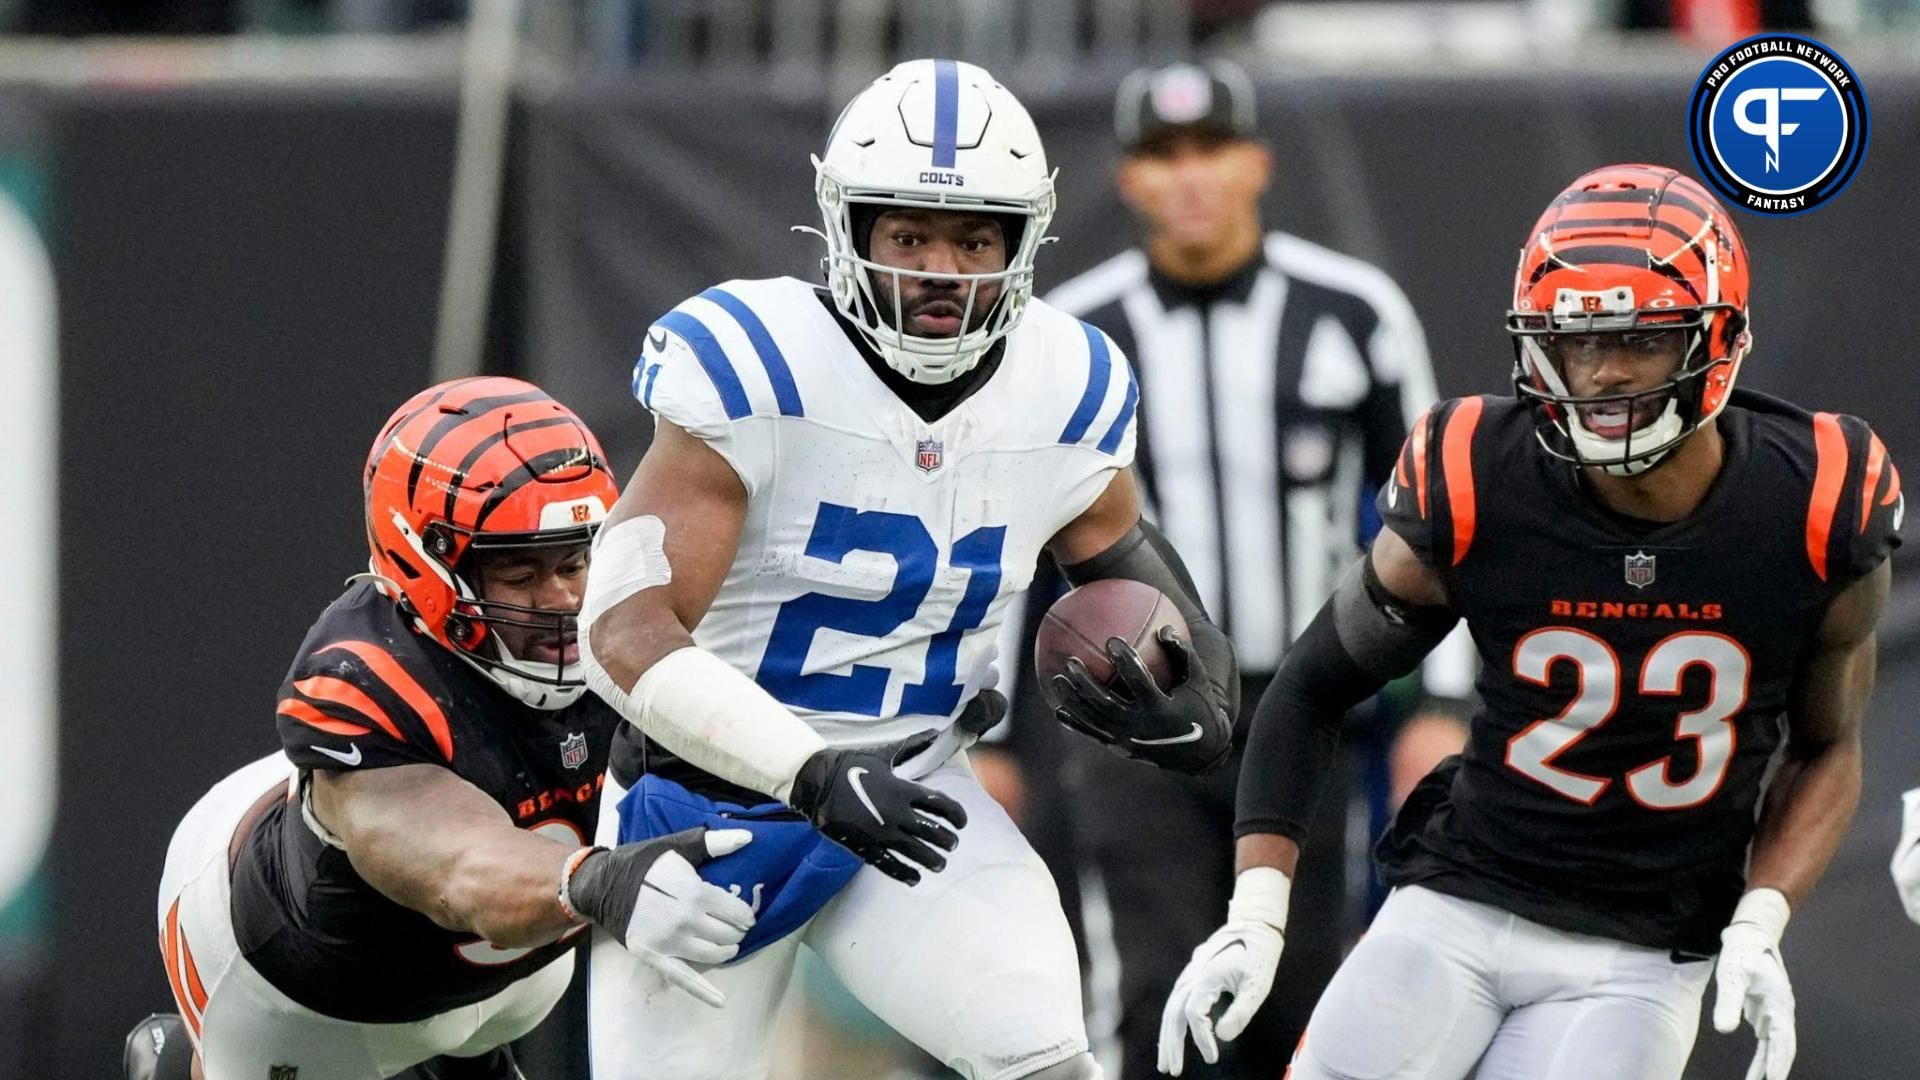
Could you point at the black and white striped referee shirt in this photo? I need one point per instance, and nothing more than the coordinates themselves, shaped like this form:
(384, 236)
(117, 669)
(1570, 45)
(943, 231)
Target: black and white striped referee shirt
(1272, 405)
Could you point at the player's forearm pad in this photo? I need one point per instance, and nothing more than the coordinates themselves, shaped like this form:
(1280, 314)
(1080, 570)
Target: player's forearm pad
(713, 717)
(1386, 636)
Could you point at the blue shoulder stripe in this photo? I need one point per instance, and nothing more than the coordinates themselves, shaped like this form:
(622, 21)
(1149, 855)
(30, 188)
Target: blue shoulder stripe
(946, 112)
(771, 358)
(713, 358)
(1099, 370)
(1111, 440)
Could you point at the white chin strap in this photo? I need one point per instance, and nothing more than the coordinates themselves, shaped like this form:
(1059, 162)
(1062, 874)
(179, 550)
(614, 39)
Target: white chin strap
(1609, 455)
(877, 314)
(523, 679)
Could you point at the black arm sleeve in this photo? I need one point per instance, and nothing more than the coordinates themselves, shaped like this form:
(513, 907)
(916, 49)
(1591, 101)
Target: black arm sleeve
(1362, 638)
(1144, 554)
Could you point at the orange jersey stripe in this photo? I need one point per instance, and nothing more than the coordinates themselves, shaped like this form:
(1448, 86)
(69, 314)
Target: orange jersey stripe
(170, 953)
(194, 985)
(313, 717)
(1876, 461)
(1420, 461)
(409, 689)
(343, 693)
(1456, 463)
(1829, 475)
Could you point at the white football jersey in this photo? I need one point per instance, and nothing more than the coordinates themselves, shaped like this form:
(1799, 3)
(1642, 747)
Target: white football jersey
(880, 551)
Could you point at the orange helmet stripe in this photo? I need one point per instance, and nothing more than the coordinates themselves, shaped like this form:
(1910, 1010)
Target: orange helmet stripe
(1893, 486)
(1456, 464)
(1829, 476)
(348, 696)
(313, 717)
(494, 443)
(389, 671)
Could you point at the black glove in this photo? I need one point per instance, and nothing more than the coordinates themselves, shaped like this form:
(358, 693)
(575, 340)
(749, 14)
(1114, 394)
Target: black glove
(1188, 730)
(853, 796)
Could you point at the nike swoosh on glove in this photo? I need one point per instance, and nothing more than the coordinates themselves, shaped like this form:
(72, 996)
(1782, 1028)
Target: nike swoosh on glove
(1906, 856)
(1238, 961)
(854, 796)
(650, 897)
(1751, 980)
(1186, 729)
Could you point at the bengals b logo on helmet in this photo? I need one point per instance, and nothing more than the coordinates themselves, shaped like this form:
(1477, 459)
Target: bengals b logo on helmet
(472, 463)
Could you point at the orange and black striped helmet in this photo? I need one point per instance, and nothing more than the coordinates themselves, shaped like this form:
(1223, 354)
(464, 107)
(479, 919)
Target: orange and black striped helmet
(1642, 252)
(478, 464)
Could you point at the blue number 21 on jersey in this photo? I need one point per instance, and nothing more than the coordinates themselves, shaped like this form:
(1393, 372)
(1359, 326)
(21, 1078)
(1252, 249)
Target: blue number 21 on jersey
(837, 532)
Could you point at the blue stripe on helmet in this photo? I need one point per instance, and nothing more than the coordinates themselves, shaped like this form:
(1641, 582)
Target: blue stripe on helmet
(784, 390)
(1099, 370)
(1111, 440)
(733, 396)
(946, 111)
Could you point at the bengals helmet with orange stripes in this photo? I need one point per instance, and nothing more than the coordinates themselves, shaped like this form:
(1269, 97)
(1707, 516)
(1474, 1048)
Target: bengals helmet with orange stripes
(478, 464)
(1646, 253)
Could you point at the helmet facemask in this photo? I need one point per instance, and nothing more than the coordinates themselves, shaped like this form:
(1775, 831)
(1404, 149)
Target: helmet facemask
(848, 213)
(476, 624)
(1625, 433)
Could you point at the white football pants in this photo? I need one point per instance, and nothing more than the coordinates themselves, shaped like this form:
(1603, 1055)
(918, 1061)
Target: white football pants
(975, 965)
(242, 1026)
(1439, 984)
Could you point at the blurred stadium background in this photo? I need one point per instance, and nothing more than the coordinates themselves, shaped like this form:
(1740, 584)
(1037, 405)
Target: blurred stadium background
(234, 233)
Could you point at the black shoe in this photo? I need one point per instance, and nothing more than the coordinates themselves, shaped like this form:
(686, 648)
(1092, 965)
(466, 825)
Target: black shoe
(158, 1049)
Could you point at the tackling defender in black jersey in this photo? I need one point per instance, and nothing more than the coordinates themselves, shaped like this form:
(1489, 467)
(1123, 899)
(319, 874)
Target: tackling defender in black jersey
(1673, 588)
(404, 885)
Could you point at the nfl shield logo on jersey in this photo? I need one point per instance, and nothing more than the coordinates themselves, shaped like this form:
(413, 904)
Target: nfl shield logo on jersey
(573, 750)
(929, 454)
(1639, 569)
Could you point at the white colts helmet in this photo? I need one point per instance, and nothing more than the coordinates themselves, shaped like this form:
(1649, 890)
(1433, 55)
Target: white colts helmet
(933, 135)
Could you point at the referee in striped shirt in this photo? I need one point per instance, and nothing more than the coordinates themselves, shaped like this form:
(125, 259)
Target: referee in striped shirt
(1278, 380)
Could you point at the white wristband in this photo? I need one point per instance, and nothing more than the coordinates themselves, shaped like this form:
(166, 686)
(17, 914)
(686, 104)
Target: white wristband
(1261, 894)
(712, 717)
(1765, 908)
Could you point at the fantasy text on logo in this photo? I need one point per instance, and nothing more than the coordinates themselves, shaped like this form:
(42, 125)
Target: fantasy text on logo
(1778, 124)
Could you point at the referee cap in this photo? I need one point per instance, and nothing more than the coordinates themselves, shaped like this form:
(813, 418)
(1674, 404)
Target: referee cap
(1214, 97)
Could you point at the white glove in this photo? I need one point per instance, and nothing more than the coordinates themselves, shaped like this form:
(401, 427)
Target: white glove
(1751, 979)
(1238, 960)
(1906, 857)
(649, 896)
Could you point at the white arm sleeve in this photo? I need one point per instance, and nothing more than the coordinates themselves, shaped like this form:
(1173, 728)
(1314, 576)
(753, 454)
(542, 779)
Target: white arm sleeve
(712, 717)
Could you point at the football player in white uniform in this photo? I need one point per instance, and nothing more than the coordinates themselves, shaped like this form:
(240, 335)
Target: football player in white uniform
(795, 601)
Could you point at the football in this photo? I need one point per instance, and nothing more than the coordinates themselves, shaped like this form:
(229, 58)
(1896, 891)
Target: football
(1079, 624)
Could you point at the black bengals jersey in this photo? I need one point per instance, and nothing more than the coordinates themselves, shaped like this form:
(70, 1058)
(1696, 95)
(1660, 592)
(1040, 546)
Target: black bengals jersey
(1635, 675)
(367, 691)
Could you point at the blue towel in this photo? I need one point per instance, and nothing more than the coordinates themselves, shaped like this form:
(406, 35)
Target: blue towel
(787, 873)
